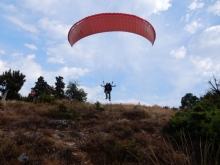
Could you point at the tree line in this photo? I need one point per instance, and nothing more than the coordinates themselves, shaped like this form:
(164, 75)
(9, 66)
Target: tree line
(12, 81)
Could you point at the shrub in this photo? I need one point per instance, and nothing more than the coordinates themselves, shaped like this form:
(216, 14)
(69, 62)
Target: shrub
(98, 107)
(45, 98)
(64, 112)
(200, 123)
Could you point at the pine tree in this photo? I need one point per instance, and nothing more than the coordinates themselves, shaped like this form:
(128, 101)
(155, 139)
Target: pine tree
(11, 82)
(59, 88)
(41, 87)
(73, 92)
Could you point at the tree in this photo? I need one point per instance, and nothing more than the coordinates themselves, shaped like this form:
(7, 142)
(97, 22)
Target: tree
(59, 88)
(188, 100)
(215, 87)
(73, 92)
(41, 87)
(11, 82)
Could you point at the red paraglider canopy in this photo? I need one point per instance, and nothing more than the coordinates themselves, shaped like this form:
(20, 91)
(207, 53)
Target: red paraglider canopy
(107, 22)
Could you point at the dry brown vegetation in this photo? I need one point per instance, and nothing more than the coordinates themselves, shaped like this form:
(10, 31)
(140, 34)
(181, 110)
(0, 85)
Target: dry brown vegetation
(79, 133)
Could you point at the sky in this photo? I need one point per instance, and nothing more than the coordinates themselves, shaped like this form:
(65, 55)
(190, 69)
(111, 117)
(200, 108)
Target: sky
(184, 57)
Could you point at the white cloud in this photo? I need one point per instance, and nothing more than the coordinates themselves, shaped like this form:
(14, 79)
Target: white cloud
(31, 46)
(205, 50)
(179, 53)
(94, 93)
(3, 66)
(54, 29)
(212, 34)
(207, 43)
(36, 5)
(77, 55)
(215, 8)
(187, 17)
(155, 6)
(31, 56)
(184, 78)
(59, 53)
(8, 7)
(17, 55)
(2, 52)
(192, 27)
(66, 71)
(203, 65)
(56, 59)
(27, 27)
(143, 7)
(27, 66)
(195, 5)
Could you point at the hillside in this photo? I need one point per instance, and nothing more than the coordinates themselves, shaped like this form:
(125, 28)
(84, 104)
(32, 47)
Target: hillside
(79, 133)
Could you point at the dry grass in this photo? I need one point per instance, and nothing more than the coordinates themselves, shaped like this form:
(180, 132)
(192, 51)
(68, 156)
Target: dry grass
(77, 133)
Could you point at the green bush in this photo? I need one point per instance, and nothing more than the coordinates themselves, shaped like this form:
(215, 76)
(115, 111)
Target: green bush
(212, 98)
(45, 98)
(62, 108)
(200, 122)
(197, 122)
(98, 107)
(63, 112)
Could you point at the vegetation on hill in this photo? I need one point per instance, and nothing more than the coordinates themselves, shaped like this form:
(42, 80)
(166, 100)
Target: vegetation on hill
(59, 127)
(64, 132)
(73, 132)
(198, 123)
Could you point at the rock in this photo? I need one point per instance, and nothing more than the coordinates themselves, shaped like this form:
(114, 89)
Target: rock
(57, 122)
(78, 134)
(56, 136)
(75, 154)
(37, 135)
(103, 133)
(23, 158)
(27, 133)
(70, 144)
(61, 122)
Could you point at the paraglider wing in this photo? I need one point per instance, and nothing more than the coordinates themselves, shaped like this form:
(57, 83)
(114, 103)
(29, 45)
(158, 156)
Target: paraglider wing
(107, 22)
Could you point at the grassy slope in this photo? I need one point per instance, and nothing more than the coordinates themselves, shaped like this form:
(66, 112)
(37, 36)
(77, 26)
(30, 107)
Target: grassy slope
(121, 133)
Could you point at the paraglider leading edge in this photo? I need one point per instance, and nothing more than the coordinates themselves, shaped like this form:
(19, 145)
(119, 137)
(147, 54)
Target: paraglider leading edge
(107, 22)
